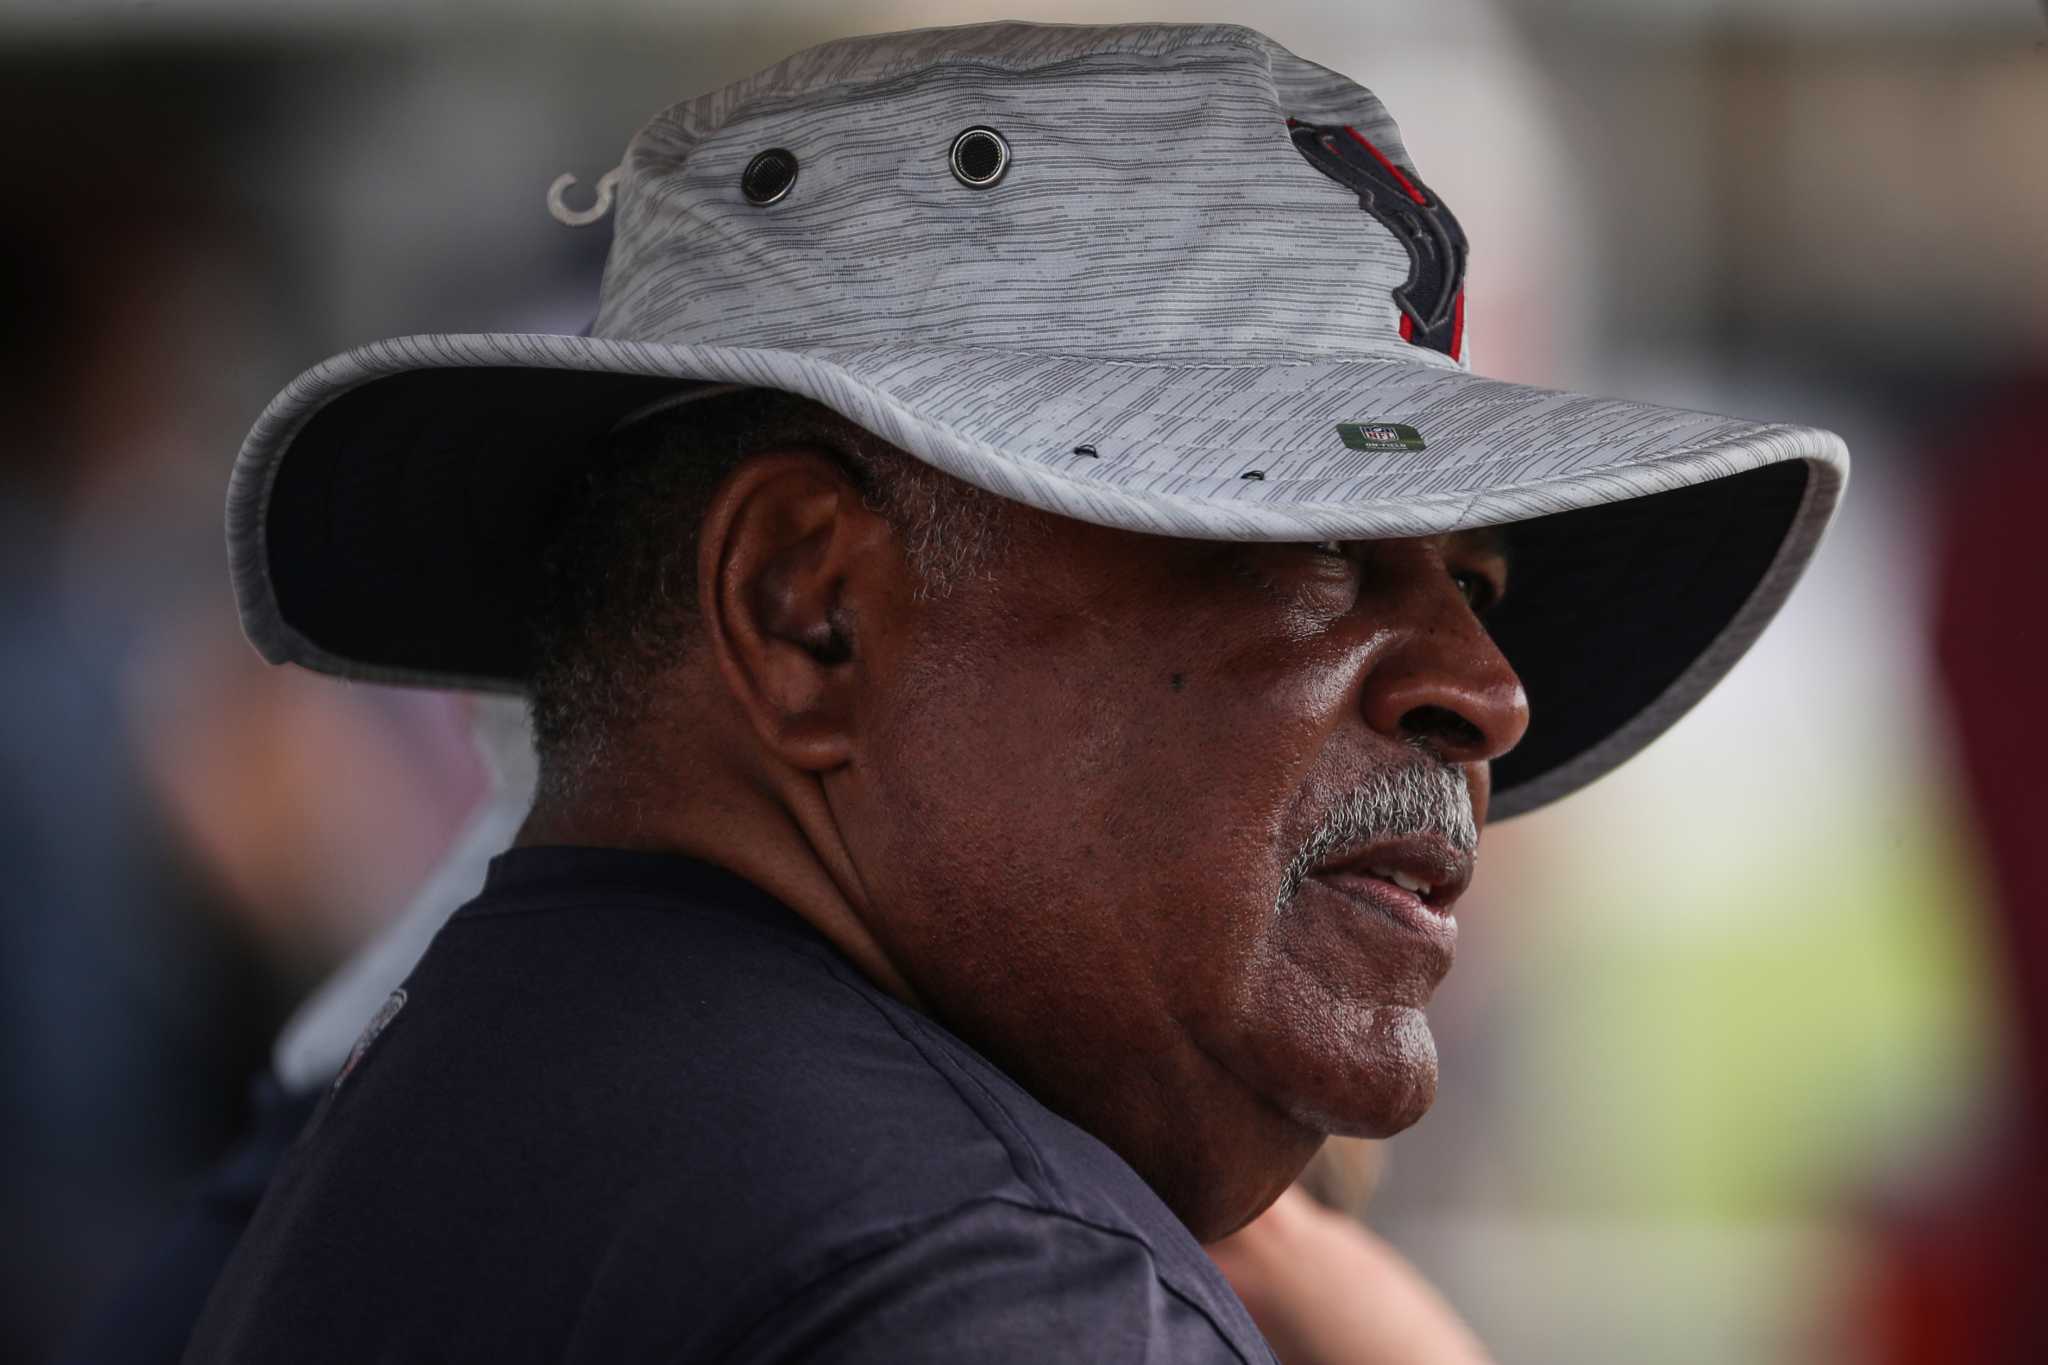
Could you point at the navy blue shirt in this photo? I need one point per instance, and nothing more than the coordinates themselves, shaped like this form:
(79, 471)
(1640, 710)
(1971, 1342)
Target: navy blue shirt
(632, 1108)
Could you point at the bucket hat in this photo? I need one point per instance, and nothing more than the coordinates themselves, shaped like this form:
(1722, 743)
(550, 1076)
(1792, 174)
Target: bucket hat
(1168, 278)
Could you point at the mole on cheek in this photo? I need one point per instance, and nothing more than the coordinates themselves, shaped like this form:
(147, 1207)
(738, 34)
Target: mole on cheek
(1178, 681)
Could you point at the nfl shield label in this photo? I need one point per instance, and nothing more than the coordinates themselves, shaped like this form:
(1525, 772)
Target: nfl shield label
(1379, 435)
(380, 1021)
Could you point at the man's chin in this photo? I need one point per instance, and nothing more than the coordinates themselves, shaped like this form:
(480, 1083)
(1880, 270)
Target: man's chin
(1384, 1083)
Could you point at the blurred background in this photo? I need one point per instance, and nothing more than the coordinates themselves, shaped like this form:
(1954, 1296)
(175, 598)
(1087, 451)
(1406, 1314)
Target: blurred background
(1746, 1054)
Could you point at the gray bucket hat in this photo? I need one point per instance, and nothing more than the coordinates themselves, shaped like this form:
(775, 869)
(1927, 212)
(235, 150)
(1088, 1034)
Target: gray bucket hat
(1169, 278)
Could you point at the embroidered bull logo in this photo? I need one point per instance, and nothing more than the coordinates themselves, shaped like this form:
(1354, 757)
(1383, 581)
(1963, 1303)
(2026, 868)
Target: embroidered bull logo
(1432, 301)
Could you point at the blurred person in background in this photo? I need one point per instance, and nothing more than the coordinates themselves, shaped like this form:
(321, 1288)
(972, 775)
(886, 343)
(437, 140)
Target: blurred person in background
(150, 1316)
(769, 907)
(1961, 1272)
(165, 828)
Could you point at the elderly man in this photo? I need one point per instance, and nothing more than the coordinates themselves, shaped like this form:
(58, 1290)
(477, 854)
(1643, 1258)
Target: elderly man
(1025, 610)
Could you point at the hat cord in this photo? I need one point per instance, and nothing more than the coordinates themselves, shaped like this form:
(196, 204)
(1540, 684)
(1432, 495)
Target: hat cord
(600, 206)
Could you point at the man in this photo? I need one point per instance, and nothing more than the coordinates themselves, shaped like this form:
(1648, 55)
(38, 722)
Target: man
(1025, 610)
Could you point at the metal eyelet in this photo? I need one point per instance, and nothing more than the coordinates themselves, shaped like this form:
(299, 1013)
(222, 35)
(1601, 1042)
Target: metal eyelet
(768, 176)
(979, 157)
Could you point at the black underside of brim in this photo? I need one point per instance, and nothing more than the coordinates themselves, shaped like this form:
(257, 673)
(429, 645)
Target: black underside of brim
(1609, 605)
(405, 526)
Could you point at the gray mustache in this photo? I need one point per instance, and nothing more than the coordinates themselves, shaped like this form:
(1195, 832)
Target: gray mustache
(1424, 796)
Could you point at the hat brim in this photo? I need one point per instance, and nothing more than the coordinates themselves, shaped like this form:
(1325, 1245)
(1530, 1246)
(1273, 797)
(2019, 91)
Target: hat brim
(385, 513)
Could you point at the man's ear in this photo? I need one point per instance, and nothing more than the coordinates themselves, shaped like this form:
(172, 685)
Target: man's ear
(792, 568)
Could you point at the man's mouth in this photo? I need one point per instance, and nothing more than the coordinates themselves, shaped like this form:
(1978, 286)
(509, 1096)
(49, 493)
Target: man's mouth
(1425, 866)
(1401, 879)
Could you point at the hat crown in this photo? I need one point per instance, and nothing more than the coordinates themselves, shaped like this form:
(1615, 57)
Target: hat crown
(1153, 206)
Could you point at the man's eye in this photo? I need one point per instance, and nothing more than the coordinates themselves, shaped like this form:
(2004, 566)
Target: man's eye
(1329, 547)
(1478, 591)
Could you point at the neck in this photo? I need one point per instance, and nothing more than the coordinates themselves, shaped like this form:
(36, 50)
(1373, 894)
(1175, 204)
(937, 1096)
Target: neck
(778, 834)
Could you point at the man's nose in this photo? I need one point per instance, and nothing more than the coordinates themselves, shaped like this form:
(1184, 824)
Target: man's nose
(1444, 684)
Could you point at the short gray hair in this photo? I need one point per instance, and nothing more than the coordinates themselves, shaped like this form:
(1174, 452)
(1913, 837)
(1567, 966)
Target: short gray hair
(617, 606)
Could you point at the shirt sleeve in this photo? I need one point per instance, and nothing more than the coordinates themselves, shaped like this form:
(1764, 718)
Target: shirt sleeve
(996, 1282)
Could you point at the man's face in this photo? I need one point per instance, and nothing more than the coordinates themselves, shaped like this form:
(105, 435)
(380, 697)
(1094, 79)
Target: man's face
(1117, 812)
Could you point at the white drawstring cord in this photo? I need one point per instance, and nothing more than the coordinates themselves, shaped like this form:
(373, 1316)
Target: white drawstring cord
(606, 184)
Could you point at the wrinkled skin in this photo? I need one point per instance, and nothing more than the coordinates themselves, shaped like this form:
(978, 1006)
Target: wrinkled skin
(1053, 809)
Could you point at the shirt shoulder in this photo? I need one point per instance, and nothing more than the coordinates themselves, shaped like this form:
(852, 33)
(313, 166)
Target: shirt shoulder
(604, 1111)
(992, 1280)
